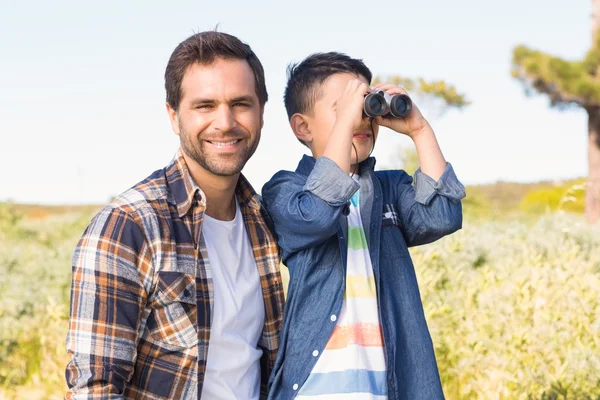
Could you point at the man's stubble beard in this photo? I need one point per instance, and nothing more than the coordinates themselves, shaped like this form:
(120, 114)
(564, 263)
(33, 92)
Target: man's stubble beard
(220, 165)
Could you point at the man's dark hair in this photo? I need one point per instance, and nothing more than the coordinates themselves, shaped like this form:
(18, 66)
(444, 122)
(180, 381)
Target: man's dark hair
(204, 48)
(305, 79)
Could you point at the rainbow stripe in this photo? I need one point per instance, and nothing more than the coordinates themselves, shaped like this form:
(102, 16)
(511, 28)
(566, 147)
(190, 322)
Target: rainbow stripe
(352, 365)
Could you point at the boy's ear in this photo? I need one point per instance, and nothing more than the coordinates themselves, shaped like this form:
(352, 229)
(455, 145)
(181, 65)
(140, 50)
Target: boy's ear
(301, 128)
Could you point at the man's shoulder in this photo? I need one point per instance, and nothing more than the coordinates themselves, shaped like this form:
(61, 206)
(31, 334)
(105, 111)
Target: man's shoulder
(141, 204)
(149, 195)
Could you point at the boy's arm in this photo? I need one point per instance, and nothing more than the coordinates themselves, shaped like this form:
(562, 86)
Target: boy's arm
(430, 209)
(306, 211)
(433, 209)
(349, 117)
(110, 265)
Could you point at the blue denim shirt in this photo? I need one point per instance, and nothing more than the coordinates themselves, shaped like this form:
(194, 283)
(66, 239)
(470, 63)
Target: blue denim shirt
(309, 208)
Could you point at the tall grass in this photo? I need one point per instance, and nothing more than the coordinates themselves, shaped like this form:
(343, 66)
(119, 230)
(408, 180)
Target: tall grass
(35, 260)
(513, 307)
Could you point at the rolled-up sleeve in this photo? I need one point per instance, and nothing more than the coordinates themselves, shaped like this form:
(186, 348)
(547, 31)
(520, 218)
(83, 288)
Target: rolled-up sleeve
(328, 182)
(430, 209)
(447, 185)
(306, 210)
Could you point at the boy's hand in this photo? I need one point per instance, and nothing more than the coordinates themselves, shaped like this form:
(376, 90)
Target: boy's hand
(412, 124)
(349, 107)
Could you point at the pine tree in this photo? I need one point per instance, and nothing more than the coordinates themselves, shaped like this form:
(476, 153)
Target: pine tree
(570, 83)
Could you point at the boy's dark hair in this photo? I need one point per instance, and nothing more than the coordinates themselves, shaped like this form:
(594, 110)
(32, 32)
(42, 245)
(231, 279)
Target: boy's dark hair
(204, 48)
(305, 79)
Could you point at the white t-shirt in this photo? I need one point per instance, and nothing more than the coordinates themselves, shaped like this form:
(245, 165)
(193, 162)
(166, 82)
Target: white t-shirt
(233, 363)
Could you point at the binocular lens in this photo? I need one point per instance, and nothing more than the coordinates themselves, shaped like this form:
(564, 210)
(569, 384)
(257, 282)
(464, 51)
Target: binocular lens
(380, 103)
(375, 105)
(400, 106)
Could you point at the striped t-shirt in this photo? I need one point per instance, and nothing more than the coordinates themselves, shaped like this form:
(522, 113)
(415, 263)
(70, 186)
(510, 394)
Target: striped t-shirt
(352, 366)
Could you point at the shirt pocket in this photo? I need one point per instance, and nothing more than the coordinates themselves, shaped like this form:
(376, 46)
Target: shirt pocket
(390, 216)
(173, 316)
(392, 237)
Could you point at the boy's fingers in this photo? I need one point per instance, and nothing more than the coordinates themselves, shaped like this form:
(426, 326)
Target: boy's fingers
(364, 88)
(386, 86)
(351, 85)
(397, 90)
(392, 89)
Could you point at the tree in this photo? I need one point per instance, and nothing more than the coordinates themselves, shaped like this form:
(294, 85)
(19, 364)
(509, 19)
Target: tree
(438, 96)
(570, 83)
(446, 94)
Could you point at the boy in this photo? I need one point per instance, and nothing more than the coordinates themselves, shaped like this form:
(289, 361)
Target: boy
(354, 325)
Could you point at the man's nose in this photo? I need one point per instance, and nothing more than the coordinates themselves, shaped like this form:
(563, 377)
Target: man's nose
(224, 119)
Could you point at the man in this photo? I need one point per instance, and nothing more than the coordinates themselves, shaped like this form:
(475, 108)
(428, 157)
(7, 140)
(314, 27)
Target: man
(176, 292)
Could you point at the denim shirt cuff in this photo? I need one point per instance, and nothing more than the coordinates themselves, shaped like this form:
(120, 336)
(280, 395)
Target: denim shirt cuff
(328, 182)
(447, 185)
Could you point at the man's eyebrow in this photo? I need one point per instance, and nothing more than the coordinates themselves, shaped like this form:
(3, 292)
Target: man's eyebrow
(205, 100)
(202, 100)
(247, 98)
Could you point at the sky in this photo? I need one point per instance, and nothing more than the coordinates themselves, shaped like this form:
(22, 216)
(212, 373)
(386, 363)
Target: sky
(82, 100)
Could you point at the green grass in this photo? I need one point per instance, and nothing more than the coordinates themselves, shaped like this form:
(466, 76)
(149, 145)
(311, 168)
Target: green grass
(524, 200)
(514, 308)
(35, 273)
(512, 300)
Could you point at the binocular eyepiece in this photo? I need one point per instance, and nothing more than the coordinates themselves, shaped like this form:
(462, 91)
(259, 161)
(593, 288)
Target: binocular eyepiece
(380, 103)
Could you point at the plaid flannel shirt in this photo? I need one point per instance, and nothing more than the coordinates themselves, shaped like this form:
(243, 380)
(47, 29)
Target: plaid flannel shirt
(142, 292)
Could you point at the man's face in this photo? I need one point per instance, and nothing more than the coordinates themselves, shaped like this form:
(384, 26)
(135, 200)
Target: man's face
(323, 118)
(220, 117)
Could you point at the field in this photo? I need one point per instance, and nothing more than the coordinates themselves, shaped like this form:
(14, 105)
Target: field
(512, 300)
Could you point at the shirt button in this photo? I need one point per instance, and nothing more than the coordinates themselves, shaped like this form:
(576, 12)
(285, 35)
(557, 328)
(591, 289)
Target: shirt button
(295, 387)
(333, 318)
(315, 353)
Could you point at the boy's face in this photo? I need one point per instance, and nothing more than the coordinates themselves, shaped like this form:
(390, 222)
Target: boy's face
(323, 118)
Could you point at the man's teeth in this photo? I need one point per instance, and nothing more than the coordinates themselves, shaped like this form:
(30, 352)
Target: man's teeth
(223, 144)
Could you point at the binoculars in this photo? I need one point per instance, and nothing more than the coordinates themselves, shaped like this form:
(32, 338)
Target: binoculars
(380, 103)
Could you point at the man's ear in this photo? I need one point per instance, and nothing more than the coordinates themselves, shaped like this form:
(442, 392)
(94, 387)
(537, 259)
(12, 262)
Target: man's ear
(174, 119)
(300, 126)
(262, 118)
